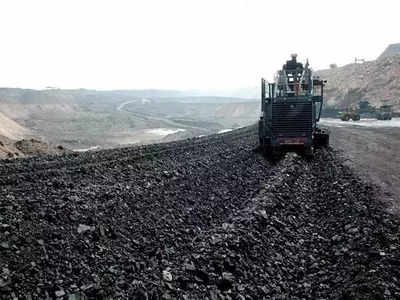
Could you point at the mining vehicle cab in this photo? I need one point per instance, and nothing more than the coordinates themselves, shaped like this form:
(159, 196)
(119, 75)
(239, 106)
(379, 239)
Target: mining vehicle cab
(290, 110)
(366, 110)
(365, 107)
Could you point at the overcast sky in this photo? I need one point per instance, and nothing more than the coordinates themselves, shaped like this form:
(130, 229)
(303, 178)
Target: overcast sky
(182, 44)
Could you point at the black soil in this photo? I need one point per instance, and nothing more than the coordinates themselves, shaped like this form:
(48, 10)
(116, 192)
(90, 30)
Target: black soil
(196, 219)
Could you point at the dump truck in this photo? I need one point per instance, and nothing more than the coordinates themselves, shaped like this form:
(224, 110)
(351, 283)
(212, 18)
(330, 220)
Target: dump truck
(366, 110)
(290, 110)
(350, 114)
(384, 112)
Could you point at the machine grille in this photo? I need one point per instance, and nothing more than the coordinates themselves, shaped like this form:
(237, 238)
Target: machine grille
(292, 119)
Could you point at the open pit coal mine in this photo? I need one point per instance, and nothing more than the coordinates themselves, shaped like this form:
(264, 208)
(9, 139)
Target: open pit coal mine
(204, 218)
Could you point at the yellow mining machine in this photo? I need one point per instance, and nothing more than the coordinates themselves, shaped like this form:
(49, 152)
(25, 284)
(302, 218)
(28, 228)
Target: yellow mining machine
(350, 113)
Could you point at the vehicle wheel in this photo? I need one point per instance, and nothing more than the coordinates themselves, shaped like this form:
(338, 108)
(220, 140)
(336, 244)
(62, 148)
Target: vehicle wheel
(326, 141)
(321, 140)
(272, 152)
(275, 153)
(309, 152)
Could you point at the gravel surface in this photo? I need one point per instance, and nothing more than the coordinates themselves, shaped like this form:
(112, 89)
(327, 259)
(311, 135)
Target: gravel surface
(196, 219)
(378, 147)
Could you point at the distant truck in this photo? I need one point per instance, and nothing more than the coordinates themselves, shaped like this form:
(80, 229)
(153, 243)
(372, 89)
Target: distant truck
(366, 110)
(350, 114)
(355, 113)
(384, 112)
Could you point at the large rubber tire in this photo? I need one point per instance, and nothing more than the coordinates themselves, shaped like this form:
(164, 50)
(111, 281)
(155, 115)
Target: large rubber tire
(276, 153)
(272, 152)
(326, 141)
(321, 140)
(308, 152)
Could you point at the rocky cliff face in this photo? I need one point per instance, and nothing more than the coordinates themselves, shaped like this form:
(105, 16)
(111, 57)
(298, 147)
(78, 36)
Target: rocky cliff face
(11, 129)
(390, 51)
(377, 81)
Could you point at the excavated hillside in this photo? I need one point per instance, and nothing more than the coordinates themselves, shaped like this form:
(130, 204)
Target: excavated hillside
(377, 81)
(16, 141)
(82, 119)
(28, 147)
(204, 218)
(390, 51)
(11, 129)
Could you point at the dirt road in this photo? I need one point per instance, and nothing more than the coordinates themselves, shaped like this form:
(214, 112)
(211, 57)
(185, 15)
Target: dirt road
(374, 153)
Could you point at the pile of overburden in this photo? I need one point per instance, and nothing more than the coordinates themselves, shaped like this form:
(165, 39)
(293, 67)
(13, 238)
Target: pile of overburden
(206, 218)
(28, 147)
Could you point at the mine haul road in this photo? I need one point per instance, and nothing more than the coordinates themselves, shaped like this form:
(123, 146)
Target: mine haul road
(374, 153)
(205, 217)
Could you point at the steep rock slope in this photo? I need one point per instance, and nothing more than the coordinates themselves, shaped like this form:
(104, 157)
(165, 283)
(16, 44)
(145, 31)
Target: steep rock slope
(376, 81)
(390, 51)
(11, 129)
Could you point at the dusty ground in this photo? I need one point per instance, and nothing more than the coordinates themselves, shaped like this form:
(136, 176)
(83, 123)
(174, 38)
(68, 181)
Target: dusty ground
(373, 153)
